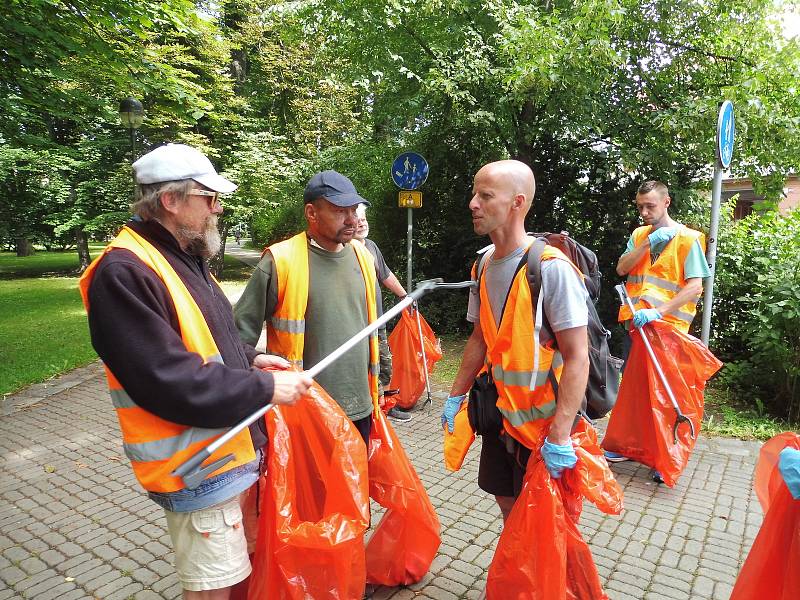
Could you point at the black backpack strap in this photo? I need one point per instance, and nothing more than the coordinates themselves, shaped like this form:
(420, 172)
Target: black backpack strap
(534, 261)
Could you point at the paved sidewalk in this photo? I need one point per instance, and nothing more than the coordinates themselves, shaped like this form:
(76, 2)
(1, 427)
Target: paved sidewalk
(246, 255)
(74, 523)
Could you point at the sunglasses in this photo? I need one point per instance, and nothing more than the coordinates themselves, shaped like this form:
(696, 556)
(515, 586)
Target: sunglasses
(213, 197)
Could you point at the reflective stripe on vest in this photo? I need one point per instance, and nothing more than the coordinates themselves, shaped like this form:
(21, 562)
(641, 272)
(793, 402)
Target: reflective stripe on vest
(651, 285)
(154, 445)
(526, 398)
(286, 328)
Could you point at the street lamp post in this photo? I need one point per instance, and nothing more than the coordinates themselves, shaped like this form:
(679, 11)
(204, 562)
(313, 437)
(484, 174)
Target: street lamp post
(131, 113)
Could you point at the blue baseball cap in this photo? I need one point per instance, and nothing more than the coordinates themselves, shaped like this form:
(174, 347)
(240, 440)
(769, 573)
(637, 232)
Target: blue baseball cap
(333, 187)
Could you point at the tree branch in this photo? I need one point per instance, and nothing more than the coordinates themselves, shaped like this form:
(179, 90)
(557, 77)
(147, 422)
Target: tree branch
(705, 53)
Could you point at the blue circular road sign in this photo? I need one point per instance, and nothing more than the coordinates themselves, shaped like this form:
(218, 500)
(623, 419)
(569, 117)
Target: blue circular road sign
(409, 171)
(726, 130)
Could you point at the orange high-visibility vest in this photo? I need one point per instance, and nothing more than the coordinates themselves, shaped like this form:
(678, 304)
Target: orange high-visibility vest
(520, 364)
(286, 328)
(651, 285)
(154, 445)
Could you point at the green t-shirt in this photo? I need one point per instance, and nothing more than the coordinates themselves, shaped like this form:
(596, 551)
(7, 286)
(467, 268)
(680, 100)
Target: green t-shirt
(335, 312)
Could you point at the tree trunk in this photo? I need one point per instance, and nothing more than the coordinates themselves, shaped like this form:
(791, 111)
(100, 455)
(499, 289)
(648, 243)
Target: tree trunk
(82, 245)
(24, 247)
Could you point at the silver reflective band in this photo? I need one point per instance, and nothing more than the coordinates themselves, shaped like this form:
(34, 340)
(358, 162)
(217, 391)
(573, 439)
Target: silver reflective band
(121, 399)
(520, 417)
(523, 377)
(288, 325)
(166, 448)
(664, 284)
(296, 363)
(655, 302)
(374, 369)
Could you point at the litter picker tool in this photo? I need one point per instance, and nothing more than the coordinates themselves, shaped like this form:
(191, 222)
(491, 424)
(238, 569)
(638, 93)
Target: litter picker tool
(680, 418)
(428, 402)
(194, 472)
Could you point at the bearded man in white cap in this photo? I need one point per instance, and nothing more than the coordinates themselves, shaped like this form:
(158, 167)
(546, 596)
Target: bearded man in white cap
(178, 373)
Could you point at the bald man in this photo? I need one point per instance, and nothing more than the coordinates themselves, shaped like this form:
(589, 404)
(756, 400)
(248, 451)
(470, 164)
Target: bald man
(503, 338)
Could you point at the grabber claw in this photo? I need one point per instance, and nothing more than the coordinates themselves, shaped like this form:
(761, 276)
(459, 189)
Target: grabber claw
(681, 418)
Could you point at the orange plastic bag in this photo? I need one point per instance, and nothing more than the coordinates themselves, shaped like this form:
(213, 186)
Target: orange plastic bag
(408, 371)
(771, 568)
(457, 443)
(314, 505)
(406, 539)
(767, 477)
(541, 554)
(641, 423)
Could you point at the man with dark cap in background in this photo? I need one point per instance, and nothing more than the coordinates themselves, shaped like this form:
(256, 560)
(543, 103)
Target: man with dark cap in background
(388, 279)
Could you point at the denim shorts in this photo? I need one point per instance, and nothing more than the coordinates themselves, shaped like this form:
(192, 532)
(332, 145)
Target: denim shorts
(211, 492)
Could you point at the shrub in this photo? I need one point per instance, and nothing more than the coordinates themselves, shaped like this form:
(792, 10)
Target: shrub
(757, 309)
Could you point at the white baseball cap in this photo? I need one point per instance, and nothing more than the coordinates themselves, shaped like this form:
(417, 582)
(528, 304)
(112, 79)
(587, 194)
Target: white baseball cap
(175, 162)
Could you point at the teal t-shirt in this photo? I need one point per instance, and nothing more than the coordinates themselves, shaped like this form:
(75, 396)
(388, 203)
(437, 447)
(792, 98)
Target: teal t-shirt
(694, 266)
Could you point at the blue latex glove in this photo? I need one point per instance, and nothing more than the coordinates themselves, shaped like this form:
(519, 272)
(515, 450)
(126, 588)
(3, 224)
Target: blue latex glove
(557, 458)
(662, 234)
(451, 408)
(789, 465)
(644, 316)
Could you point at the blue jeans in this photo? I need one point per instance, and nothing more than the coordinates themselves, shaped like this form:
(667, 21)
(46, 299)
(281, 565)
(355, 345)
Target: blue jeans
(212, 491)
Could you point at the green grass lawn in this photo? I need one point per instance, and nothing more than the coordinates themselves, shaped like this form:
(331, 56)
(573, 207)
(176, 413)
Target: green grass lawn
(235, 274)
(447, 367)
(43, 329)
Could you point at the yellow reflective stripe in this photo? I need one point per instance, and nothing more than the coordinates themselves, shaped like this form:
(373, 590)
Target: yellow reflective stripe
(521, 417)
(166, 448)
(289, 325)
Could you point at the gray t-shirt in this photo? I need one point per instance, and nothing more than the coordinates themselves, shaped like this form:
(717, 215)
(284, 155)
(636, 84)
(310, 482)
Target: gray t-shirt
(563, 293)
(335, 312)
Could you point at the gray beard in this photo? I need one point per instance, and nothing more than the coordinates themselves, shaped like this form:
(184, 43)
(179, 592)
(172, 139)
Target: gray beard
(206, 243)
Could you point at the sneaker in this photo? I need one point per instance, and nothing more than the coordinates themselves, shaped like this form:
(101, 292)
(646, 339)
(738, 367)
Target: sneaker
(656, 476)
(401, 416)
(614, 457)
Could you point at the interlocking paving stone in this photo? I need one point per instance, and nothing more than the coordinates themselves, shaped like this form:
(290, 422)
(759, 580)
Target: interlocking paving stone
(74, 523)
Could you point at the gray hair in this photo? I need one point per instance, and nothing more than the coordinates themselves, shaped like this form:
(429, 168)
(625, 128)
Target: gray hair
(147, 204)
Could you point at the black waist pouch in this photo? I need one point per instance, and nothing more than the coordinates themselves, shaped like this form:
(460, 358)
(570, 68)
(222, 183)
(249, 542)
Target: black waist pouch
(484, 416)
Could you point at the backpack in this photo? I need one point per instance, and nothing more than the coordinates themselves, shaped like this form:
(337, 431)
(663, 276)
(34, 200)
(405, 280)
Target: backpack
(604, 369)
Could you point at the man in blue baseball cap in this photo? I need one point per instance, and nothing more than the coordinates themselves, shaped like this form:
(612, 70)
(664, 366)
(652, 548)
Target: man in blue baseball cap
(315, 291)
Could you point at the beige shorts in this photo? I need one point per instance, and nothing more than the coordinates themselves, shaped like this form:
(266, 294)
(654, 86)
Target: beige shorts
(212, 544)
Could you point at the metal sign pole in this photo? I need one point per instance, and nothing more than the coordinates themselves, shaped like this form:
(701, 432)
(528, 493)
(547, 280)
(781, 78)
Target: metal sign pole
(410, 238)
(726, 131)
(711, 254)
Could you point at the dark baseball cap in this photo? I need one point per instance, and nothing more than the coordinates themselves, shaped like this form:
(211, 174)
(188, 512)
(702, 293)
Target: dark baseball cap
(334, 187)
